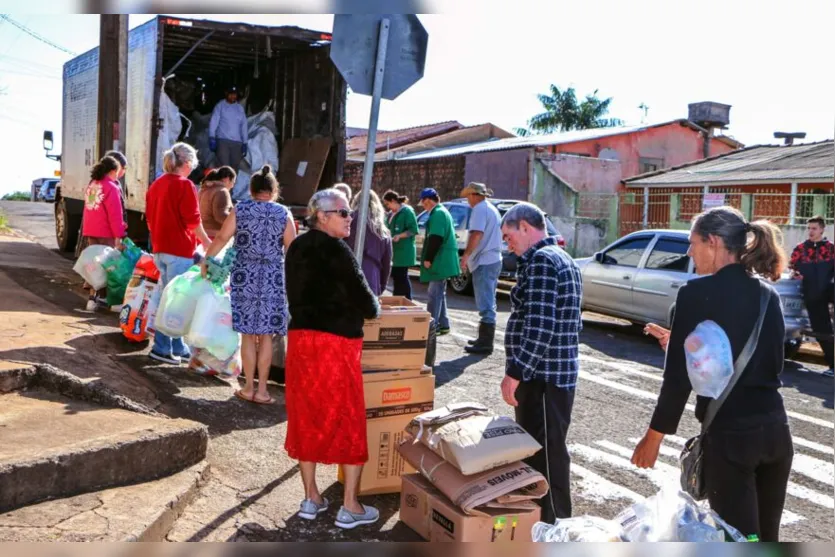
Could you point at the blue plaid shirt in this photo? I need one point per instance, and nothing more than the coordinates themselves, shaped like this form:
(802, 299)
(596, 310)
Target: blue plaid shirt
(543, 331)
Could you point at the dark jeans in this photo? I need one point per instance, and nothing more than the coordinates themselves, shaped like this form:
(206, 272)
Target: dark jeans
(402, 284)
(746, 473)
(544, 411)
(822, 324)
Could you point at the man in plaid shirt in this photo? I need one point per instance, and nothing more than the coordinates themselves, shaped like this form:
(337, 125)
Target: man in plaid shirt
(542, 346)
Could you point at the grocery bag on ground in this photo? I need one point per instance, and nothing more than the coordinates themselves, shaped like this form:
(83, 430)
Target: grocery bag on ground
(709, 359)
(471, 438)
(211, 326)
(133, 318)
(119, 270)
(578, 529)
(203, 363)
(90, 265)
(178, 303)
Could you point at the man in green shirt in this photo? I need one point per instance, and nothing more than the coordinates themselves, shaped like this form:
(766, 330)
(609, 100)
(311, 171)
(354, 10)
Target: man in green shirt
(404, 228)
(439, 260)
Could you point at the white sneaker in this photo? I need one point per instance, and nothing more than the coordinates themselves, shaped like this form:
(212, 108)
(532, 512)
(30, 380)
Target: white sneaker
(92, 305)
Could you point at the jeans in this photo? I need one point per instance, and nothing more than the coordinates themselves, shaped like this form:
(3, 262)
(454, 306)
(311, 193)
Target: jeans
(746, 473)
(436, 303)
(170, 267)
(544, 411)
(485, 283)
(402, 284)
(229, 153)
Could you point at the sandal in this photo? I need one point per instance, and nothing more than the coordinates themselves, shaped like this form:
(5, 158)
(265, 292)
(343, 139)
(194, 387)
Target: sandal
(240, 395)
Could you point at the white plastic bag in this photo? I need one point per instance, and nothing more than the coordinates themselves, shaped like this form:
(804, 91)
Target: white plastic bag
(577, 529)
(90, 265)
(153, 305)
(179, 302)
(709, 359)
(211, 327)
(669, 516)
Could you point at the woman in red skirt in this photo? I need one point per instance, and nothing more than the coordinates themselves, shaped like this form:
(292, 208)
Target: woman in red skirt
(329, 299)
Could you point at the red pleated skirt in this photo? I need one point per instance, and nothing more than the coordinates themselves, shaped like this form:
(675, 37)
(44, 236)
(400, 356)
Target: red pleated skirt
(325, 399)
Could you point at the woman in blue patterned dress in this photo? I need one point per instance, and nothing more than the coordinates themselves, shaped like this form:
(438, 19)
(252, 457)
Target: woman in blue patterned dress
(263, 230)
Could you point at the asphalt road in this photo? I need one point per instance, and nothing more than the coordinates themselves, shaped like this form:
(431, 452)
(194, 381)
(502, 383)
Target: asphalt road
(255, 489)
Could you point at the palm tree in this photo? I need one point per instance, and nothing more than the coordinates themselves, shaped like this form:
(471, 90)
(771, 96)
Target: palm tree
(564, 113)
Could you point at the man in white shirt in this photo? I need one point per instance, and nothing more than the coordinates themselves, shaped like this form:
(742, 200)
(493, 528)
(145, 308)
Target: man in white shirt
(483, 259)
(228, 130)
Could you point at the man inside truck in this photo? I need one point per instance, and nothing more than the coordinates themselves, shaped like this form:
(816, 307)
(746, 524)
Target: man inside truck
(228, 130)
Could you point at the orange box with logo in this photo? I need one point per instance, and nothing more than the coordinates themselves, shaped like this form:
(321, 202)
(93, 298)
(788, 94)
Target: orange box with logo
(389, 407)
(397, 339)
(427, 511)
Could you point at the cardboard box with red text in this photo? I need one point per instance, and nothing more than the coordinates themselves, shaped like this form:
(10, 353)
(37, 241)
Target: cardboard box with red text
(427, 511)
(390, 405)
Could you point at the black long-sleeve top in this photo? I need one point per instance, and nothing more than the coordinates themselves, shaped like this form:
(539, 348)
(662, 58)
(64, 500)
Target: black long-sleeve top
(326, 289)
(731, 298)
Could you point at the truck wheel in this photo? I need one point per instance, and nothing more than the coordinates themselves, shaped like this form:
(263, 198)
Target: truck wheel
(462, 284)
(790, 349)
(67, 226)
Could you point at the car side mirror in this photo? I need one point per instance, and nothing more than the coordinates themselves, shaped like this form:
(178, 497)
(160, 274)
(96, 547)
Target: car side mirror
(600, 257)
(48, 142)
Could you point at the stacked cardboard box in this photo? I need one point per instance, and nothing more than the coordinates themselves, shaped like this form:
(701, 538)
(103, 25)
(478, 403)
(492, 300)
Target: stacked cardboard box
(493, 501)
(398, 387)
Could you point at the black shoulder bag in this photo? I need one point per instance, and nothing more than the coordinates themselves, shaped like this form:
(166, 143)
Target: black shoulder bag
(692, 479)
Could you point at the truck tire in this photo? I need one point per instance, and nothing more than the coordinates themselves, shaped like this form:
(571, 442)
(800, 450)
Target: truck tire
(67, 226)
(462, 284)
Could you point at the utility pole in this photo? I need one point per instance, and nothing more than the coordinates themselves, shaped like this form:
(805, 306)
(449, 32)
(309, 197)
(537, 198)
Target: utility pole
(113, 63)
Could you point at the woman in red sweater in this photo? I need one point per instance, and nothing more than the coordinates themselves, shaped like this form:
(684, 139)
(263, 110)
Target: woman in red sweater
(173, 216)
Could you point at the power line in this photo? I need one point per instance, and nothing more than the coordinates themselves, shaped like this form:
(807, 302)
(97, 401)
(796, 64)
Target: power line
(5, 17)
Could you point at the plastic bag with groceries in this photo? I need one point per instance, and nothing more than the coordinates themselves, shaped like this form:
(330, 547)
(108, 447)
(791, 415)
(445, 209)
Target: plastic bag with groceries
(90, 265)
(211, 327)
(179, 302)
(119, 268)
(709, 359)
(136, 306)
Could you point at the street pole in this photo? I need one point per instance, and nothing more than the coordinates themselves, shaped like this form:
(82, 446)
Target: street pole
(371, 147)
(112, 43)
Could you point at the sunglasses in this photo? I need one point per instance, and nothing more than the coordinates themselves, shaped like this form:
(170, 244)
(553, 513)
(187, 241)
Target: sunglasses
(344, 213)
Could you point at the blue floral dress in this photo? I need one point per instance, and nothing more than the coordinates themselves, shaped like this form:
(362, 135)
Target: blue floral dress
(259, 303)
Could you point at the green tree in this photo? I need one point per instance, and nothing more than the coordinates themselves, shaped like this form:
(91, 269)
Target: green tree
(563, 112)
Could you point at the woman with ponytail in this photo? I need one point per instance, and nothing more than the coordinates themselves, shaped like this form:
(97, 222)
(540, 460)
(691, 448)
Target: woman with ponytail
(747, 447)
(104, 222)
(259, 306)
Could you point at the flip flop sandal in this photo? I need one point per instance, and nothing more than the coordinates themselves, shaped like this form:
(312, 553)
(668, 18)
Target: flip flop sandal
(253, 400)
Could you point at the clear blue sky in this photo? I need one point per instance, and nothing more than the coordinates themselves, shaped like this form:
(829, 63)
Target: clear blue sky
(772, 64)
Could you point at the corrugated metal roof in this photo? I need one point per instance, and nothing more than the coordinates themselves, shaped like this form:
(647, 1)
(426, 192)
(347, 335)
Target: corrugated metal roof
(760, 163)
(537, 140)
(395, 138)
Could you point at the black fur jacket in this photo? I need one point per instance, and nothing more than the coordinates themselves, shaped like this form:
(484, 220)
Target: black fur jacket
(326, 289)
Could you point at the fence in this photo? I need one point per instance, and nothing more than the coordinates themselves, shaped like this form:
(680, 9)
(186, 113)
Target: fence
(599, 219)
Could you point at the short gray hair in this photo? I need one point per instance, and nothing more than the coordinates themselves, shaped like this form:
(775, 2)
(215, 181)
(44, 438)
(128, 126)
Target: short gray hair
(527, 212)
(323, 200)
(344, 188)
(179, 155)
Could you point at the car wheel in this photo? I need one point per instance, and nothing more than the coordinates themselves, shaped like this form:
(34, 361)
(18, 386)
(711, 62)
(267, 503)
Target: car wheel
(67, 226)
(462, 284)
(791, 348)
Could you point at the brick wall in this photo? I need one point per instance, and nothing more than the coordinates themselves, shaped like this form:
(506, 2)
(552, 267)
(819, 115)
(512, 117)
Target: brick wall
(445, 174)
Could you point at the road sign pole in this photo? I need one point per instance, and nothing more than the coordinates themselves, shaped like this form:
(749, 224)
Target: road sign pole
(371, 148)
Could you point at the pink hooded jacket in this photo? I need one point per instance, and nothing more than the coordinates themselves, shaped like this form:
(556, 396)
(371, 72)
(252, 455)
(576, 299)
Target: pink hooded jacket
(103, 215)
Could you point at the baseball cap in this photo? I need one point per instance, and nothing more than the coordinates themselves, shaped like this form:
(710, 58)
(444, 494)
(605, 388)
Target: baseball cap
(428, 193)
(477, 188)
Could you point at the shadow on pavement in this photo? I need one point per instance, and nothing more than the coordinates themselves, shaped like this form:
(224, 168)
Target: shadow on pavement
(450, 370)
(795, 375)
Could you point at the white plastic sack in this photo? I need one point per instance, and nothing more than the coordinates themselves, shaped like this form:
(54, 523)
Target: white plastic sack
(577, 529)
(709, 359)
(171, 127)
(90, 265)
(178, 304)
(153, 305)
(211, 327)
(262, 148)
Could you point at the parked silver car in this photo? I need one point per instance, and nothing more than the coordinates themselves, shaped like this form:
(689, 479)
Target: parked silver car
(637, 278)
(460, 211)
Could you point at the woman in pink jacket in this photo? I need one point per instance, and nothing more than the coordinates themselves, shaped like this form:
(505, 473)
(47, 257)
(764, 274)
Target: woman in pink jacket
(104, 222)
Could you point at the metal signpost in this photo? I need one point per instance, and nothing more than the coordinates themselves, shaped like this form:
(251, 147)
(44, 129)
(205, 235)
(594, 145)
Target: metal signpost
(381, 55)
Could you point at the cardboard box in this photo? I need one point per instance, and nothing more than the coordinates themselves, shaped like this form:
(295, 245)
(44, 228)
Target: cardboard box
(372, 375)
(427, 511)
(397, 339)
(390, 405)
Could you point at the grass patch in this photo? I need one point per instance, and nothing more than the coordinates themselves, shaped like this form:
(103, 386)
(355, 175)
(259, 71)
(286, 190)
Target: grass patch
(17, 196)
(4, 222)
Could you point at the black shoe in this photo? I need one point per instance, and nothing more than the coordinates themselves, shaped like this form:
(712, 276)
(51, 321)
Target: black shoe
(165, 358)
(484, 343)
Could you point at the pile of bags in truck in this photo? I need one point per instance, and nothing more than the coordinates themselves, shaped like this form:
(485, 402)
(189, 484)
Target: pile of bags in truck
(196, 309)
(668, 516)
(471, 483)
